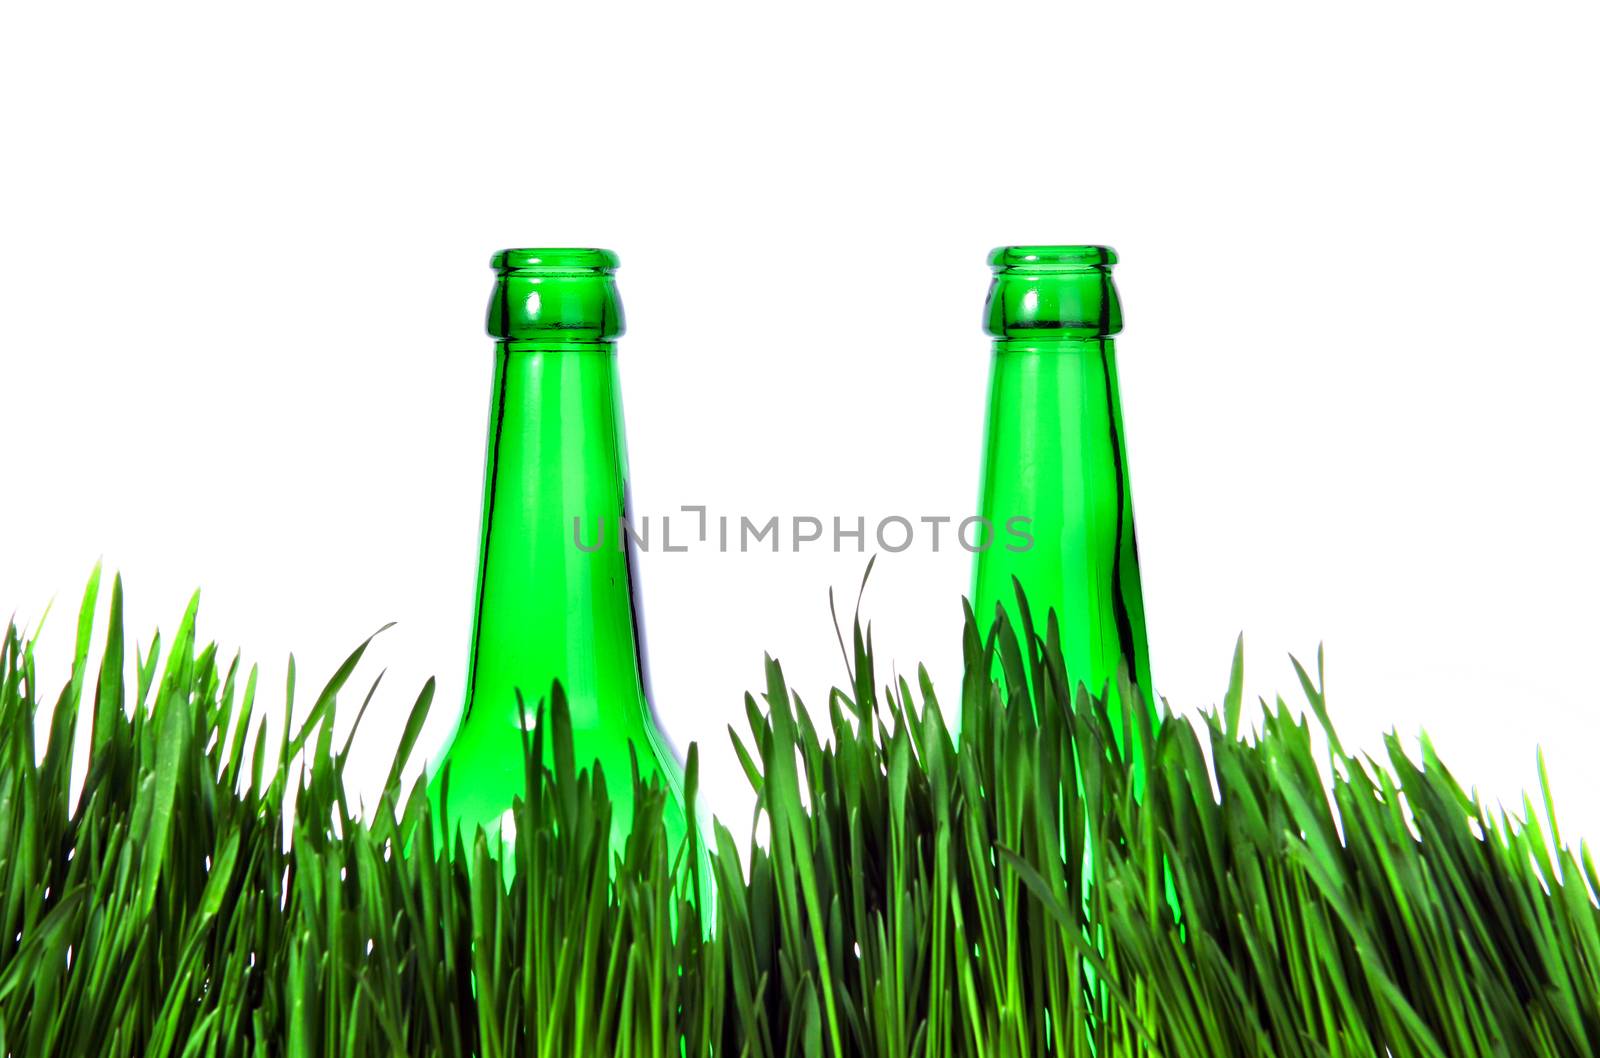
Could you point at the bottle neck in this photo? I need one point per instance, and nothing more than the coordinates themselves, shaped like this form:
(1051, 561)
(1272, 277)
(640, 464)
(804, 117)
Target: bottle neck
(1054, 457)
(556, 592)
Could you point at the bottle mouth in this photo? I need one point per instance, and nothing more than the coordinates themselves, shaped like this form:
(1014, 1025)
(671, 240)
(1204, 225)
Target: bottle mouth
(1050, 293)
(561, 295)
(1051, 258)
(555, 260)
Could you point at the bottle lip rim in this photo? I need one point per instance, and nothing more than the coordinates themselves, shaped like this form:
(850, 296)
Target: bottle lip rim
(1052, 258)
(555, 259)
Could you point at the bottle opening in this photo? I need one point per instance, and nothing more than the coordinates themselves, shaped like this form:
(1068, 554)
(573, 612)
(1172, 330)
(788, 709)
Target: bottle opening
(1051, 258)
(1052, 292)
(553, 294)
(555, 259)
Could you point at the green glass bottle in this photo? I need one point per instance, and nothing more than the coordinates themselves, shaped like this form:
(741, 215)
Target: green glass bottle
(1055, 469)
(557, 587)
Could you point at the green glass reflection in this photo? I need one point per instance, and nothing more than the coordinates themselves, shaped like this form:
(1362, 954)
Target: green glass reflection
(1054, 455)
(557, 590)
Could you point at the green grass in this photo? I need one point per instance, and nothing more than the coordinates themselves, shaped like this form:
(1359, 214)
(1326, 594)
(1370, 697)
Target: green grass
(911, 898)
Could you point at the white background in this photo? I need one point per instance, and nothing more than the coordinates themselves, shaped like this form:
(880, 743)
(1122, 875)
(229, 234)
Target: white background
(243, 268)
